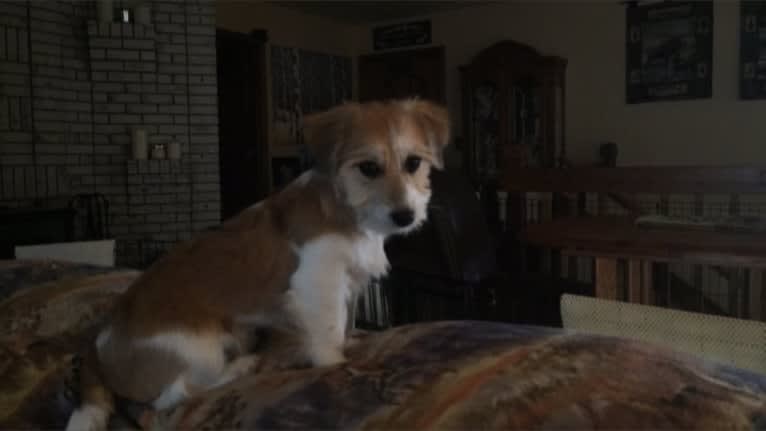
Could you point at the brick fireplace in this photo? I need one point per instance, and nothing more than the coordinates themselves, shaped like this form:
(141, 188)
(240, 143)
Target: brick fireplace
(71, 90)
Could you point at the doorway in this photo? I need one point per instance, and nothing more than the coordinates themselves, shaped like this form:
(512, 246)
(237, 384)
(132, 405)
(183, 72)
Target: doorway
(415, 72)
(394, 75)
(242, 119)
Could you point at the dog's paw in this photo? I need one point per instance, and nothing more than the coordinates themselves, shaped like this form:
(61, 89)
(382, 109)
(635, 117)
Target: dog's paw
(327, 357)
(237, 368)
(243, 365)
(355, 337)
(88, 418)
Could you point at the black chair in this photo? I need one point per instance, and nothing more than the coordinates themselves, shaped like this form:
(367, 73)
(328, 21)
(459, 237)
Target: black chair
(93, 212)
(448, 268)
(458, 266)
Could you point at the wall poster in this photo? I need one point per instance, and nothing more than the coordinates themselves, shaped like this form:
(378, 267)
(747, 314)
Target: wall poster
(753, 50)
(669, 50)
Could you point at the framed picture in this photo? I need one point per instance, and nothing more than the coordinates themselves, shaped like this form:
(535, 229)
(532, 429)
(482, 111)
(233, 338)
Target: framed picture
(669, 51)
(401, 35)
(752, 81)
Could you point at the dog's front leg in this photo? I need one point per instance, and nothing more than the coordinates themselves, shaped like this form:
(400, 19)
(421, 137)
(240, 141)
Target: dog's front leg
(318, 302)
(325, 329)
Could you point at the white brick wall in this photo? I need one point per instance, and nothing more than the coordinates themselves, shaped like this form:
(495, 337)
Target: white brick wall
(72, 89)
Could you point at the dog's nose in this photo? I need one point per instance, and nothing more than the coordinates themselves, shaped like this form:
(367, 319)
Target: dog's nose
(403, 217)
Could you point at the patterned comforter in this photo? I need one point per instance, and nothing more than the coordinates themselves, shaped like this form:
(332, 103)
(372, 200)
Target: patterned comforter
(439, 375)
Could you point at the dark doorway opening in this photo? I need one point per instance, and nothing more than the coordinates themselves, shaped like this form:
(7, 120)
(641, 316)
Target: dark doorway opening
(242, 119)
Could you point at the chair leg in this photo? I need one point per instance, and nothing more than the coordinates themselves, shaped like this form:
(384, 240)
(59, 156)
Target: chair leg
(469, 301)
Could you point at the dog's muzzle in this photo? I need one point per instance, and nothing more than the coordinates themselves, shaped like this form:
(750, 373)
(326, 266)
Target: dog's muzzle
(403, 217)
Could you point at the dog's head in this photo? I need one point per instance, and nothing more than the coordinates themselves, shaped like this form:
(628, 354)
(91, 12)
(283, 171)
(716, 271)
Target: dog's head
(380, 155)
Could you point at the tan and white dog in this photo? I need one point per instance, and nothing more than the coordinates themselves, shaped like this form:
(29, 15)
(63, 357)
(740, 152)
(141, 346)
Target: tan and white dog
(292, 261)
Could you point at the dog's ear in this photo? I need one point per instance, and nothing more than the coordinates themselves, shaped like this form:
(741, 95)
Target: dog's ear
(434, 120)
(324, 133)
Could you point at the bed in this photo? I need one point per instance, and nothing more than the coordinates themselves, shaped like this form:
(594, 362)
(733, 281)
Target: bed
(436, 375)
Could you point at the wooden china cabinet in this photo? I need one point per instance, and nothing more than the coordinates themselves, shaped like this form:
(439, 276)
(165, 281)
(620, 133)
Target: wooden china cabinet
(513, 107)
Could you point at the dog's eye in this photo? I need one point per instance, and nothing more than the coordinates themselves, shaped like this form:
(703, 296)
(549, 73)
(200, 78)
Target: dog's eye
(370, 169)
(412, 164)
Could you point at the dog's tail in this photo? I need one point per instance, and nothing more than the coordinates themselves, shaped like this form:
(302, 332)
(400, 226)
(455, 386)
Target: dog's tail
(97, 402)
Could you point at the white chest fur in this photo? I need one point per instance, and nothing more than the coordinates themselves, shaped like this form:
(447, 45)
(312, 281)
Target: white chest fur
(330, 271)
(368, 256)
(335, 262)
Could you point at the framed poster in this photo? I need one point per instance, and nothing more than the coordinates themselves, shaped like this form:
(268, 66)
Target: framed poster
(401, 35)
(752, 82)
(669, 51)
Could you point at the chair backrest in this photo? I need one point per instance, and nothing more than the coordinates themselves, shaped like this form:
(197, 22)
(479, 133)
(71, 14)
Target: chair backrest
(737, 342)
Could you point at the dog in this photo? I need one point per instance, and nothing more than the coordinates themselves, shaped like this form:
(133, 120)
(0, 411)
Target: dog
(292, 261)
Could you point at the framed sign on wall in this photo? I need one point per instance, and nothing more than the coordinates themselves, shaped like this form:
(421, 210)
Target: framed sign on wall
(401, 35)
(752, 50)
(669, 51)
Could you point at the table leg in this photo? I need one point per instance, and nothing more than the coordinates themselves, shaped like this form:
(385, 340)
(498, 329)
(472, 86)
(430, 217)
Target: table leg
(647, 282)
(606, 278)
(757, 290)
(569, 269)
(635, 281)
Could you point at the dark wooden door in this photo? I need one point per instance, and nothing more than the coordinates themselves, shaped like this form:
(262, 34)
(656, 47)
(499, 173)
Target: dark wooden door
(242, 119)
(416, 72)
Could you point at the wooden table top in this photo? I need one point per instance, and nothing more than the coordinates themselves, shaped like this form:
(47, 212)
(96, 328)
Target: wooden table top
(619, 236)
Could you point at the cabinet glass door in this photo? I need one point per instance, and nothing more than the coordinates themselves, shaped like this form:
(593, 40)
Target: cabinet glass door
(485, 124)
(525, 123)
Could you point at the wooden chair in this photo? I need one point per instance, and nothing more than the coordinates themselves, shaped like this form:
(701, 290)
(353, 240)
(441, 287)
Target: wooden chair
(592, 213)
